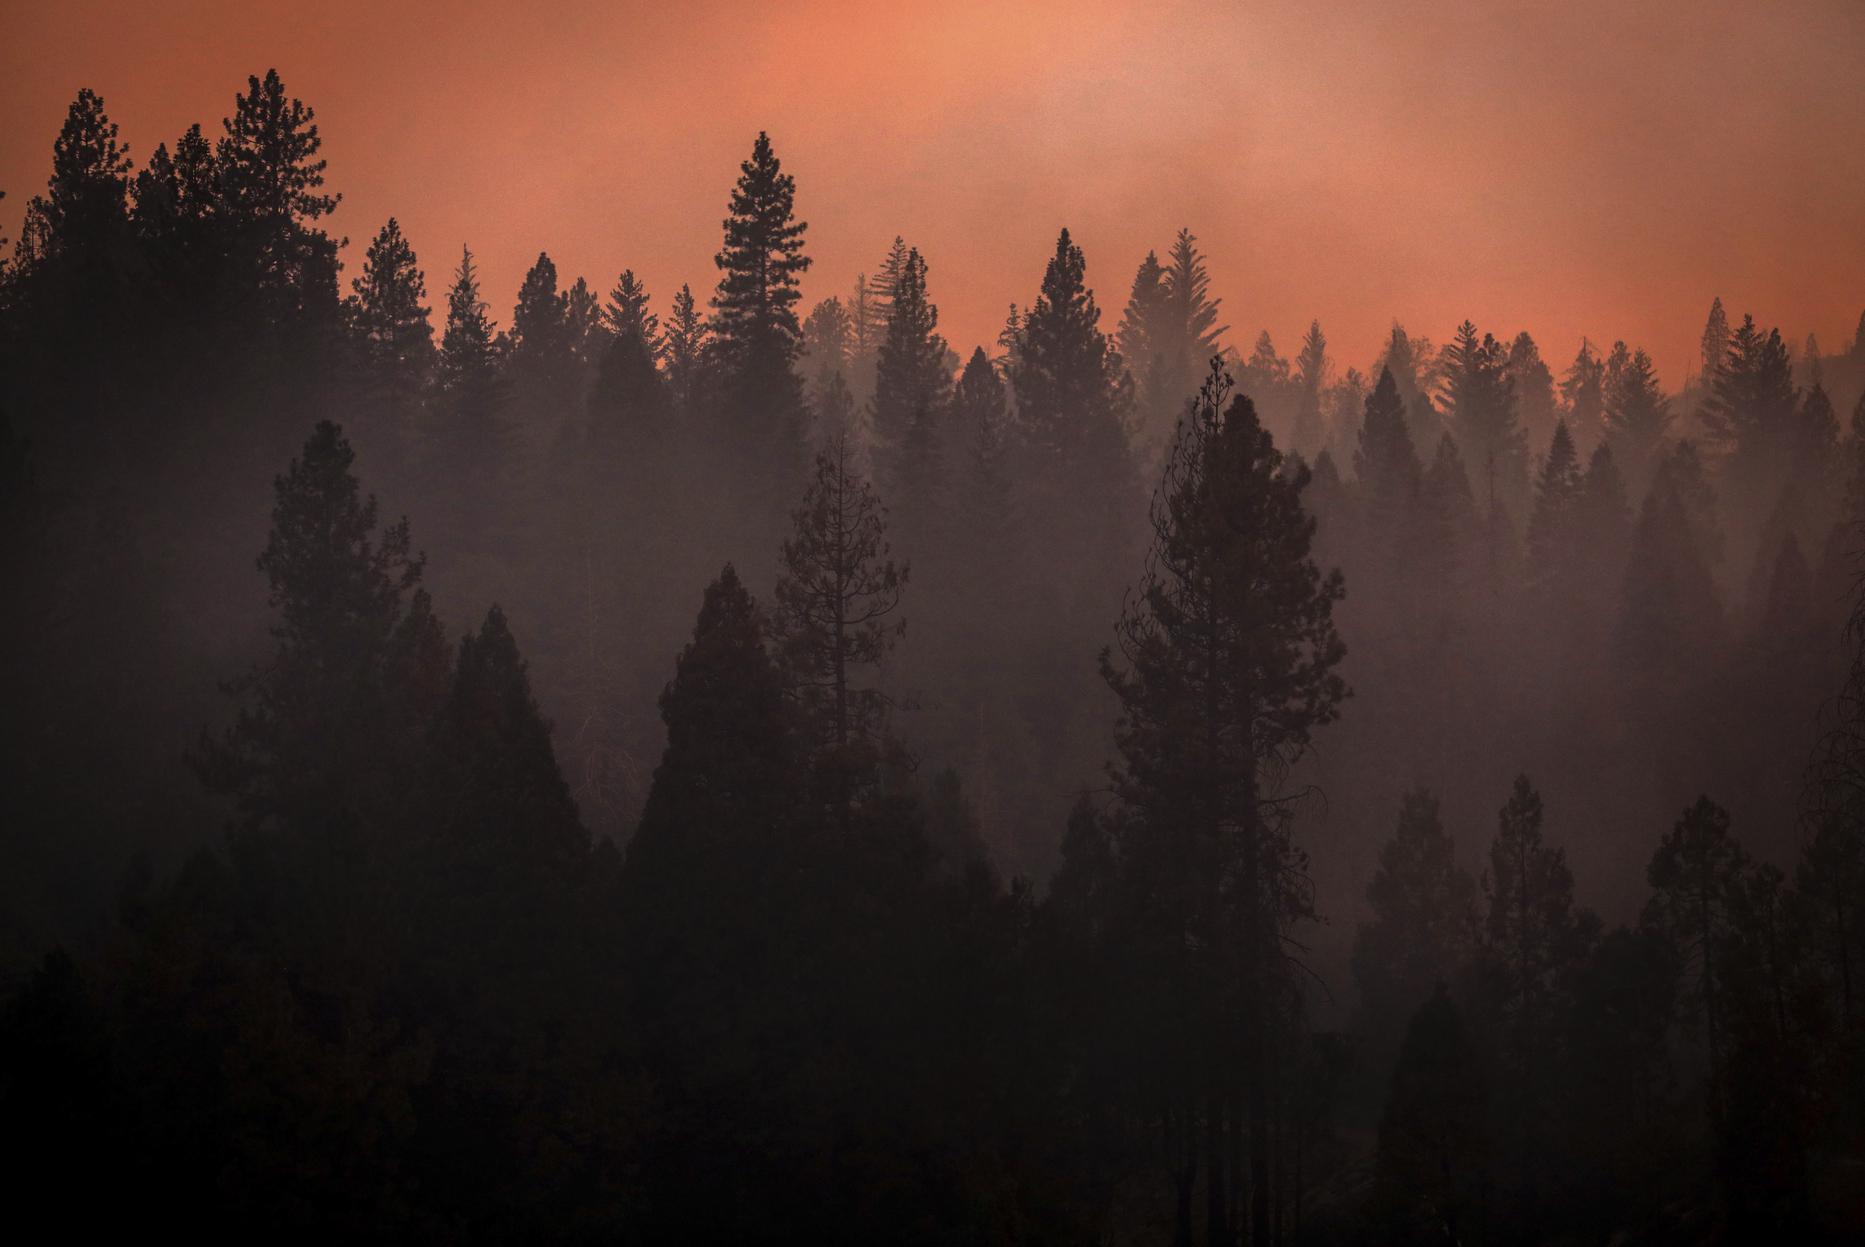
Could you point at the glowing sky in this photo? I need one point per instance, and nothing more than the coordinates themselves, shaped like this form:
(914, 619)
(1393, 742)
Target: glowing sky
(1573, 168)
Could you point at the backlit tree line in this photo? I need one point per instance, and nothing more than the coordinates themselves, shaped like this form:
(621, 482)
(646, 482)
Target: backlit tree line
(1077, 790)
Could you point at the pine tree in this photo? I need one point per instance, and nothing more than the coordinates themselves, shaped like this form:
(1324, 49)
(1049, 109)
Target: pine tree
(1147, 345)
(834, 409)
(703, 931)
(541, 345)
(629, 402)
(1715, 342)
(1637, 415)
(271, 190)
(1191, 311)
(1227, 664)
(86, 203)
(1749, 411)
(1534, 388)
(1423, 929)
(910, 382)
(1343, 406)
(300, 756)
(727, 769)
(1141, 329)
(1534, 941)
(583, 325)
(980, 423)
(884, 285)
(470, 431)
(755, 322)
(1413, 367)
(828, 344)
(1554, 549)
(1479, 403)
(1265, 375)
(1386, 463)
(1448, 522)
(390, 322)
(175, 196)
(834, 602)
(499, 794)
(1693, 875)
(1072, 398)
(629, 314)
(1311, 366)
(688, 341)
(1583, 390)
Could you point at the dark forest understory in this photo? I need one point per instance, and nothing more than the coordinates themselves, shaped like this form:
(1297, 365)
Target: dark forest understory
(706, 769)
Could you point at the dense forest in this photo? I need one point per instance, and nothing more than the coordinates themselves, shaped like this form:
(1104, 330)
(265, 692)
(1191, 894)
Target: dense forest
(693, 767)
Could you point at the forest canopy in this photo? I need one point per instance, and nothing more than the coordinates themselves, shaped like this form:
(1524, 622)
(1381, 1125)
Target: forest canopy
(705, 764)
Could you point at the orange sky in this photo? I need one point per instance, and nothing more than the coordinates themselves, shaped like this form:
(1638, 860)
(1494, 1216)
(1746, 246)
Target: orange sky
(1566, 167)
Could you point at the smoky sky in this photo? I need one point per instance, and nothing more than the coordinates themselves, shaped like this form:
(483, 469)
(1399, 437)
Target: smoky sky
(1589, 168)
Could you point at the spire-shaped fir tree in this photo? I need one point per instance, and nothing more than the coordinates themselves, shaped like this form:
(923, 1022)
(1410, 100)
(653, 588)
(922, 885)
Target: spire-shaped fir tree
(755, 325)
(395, 339)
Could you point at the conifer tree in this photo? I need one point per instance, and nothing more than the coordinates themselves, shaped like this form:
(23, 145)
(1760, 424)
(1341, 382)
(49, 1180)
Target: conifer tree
(1448, 519)
(1191, 311)
(1265, 374)
(1669, 617)
(1693, 877)
(701, 926)
(390, 320)
(300, 757)
(755, 325)
(1583, 389)
(499, 793)
(272, 181)
(629, 314)
(1385, 462)
(1227, 664)
(1311, 365)
(176, 194)
(1749, 410)
(910, 382)
(1072, 398)
(835, 602)
(1534, 388)
(86, 203)
(470, 429)
(980, 420)
(1146, 344)
(1479, 403)
(688, 341)
(542, 349)
(1554, 549)
(1424, 923)
(727, 769)
(582, 324)
(1413, 368)
(1534, 940)
(1715, 342)
(884, 285)
(828, 344)
(628, 403)
(1141, 329)
(834, 409)
(1637, 415)
(1167, 336)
